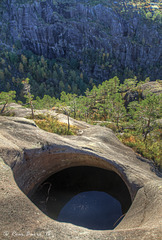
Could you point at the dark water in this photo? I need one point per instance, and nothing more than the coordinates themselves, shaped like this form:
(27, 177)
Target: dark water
(90, 197)
(92, 209)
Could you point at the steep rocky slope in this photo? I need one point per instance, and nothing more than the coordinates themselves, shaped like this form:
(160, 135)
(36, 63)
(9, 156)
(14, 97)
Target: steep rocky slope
(82, 29)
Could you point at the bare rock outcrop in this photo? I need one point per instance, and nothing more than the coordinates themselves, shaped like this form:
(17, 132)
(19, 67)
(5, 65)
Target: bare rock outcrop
(142, 91)
(29, 155)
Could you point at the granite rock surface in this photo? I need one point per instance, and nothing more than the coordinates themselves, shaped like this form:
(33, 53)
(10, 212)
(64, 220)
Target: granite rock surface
(29, 155)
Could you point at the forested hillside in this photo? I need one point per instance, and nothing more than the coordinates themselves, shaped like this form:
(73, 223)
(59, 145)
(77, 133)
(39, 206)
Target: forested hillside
(71, 45)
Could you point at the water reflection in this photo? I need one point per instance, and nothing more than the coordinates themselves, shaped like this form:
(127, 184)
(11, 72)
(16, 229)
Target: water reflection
(92, 209)
(86, 196)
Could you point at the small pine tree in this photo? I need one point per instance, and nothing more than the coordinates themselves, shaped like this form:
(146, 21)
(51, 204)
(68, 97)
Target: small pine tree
(29, 97)
(6, 98)
(118, 109)
(146, 113)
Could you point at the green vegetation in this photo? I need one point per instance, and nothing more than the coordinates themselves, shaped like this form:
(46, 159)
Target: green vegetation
(51, 124)
(145, 114)
(151, 10)
(136, 123)
(150, 149)
(6, 98)
(51, 77)
(29, 97)
(46, 102)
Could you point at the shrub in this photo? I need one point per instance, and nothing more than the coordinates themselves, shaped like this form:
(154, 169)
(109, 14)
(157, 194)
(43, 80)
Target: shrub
(150, 149)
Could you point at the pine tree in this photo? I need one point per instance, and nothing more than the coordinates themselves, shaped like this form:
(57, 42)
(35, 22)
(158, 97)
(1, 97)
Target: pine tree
(6, 98)
(146, 113)
(29, 97)
(118, 110)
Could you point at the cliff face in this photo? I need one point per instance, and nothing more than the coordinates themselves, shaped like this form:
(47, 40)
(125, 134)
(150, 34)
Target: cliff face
(66, 29)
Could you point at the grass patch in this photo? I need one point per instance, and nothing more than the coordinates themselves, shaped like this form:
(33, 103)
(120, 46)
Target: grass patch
(7, 113)
(51, 124)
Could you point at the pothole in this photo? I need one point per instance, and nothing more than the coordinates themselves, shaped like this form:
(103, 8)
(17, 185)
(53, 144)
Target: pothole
(86, 196)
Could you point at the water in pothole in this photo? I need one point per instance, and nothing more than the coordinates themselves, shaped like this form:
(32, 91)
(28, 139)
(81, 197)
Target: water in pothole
(90, 197)
(93, 210)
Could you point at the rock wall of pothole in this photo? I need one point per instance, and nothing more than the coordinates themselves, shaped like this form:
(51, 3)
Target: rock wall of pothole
(29, 157)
